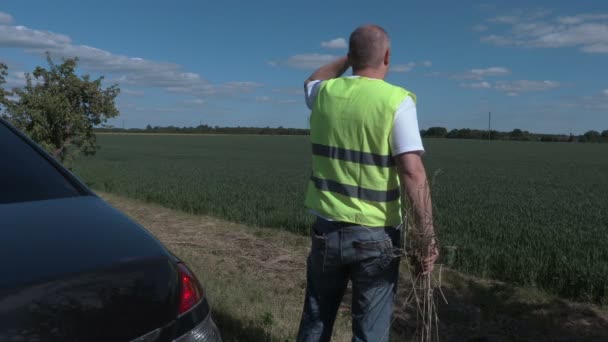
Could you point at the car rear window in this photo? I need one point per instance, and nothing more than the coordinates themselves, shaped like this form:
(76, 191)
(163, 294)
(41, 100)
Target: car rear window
(25, 175)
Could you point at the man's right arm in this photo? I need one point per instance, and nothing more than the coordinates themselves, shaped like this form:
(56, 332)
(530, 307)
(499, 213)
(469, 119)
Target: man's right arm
(407, 150)
(415, 185)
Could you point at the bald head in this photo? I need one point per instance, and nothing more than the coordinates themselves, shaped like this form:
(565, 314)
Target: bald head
(367, 47)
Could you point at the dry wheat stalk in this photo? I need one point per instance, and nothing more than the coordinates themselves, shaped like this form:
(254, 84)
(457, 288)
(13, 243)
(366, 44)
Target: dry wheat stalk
(424, 286)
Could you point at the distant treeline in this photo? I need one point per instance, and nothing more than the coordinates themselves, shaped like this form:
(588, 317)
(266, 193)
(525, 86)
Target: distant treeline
(432, 132)
(516, 134)
(205, 129)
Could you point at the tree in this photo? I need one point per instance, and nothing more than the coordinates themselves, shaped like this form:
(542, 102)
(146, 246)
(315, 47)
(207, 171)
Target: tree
(571, 138)
(516, 133)
(438, 132)
(592, 136)
(605, 134)
(3, 93)
(58, 109)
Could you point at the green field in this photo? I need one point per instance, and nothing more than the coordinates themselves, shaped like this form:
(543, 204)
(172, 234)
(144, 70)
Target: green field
(528, 213)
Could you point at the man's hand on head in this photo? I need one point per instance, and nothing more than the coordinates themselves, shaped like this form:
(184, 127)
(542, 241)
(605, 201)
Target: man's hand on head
(331, 70)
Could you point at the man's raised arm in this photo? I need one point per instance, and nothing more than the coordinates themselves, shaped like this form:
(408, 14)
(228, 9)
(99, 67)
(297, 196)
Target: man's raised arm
(331, 70)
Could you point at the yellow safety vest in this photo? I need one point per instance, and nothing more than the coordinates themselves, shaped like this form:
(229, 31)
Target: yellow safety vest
(354, 178)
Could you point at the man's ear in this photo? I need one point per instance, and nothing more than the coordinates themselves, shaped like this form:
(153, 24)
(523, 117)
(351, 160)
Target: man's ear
(387, 57)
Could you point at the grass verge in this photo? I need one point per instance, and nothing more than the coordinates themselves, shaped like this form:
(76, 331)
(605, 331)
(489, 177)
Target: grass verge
(255, 280)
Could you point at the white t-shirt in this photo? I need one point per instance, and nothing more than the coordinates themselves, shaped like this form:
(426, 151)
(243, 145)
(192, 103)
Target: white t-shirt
(405, 135)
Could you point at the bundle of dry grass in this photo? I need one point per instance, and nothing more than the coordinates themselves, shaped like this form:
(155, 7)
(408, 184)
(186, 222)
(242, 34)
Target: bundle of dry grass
(421, 249)
(424, 287)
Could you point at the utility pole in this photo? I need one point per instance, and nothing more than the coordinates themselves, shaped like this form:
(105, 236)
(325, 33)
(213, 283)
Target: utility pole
(489, 126)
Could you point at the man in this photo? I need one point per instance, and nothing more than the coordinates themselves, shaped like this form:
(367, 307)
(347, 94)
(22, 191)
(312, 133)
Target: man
(366, 146)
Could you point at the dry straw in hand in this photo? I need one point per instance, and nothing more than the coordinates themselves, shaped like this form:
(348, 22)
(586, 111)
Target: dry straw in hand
(419, 242)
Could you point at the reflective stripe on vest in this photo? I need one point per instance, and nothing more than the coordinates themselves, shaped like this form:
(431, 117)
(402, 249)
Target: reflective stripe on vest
(355, 191)
(353, 156)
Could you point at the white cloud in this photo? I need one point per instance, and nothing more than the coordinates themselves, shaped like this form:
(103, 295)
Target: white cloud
(477, 85)
(195, 102)
(5, 19)
(205, 89)
(19, 75)
(246, 86)
(403, 67)
(263, 99)
(338, 43)
(577, 19)
(597, 101)
(269, 99)
(587, 32)
(596, 48)
(497, 40)
(125, 70)
(131, 92)
(427, 64)
(513, 88)
(158, 109)
(480, 28)
(309, 61)
(521, 86)
(23, 37)
(505, 19)
(288, 101)
(588, 35)
(125, 106)
(433, 74)
(479, 74)
(17, 79)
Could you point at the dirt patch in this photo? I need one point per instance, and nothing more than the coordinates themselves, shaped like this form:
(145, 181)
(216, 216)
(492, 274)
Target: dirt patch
(255, 279)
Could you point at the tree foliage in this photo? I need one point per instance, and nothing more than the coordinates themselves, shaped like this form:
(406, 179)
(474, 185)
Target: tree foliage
(3, 93)
(59, 109)
(463, 133)
(591, 136)
(206, 129)
(436, 132)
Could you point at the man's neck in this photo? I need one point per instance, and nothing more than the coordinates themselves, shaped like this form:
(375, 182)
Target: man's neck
(369, 73)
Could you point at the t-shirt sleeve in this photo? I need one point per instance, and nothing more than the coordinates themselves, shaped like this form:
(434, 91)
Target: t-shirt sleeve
(405, 136)
(310, 92)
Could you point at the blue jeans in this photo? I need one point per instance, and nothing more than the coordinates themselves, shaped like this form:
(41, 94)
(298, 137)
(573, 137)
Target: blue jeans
(369, 257)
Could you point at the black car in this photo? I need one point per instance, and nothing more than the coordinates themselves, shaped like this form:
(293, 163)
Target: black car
(72, 268)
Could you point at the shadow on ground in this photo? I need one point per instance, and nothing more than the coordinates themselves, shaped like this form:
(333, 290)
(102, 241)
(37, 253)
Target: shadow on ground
(492, 311)
(234, 330)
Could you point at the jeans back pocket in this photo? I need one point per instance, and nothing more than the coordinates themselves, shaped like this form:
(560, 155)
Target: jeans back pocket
(374, 257)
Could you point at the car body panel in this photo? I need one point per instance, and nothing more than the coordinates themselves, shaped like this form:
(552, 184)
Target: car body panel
(84, 267)
(73, 268)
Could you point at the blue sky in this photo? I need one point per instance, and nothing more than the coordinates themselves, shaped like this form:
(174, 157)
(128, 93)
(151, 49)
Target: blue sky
(540, 66)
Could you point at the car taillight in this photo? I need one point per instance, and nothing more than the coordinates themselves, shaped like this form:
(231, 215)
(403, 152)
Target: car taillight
(191, 292)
